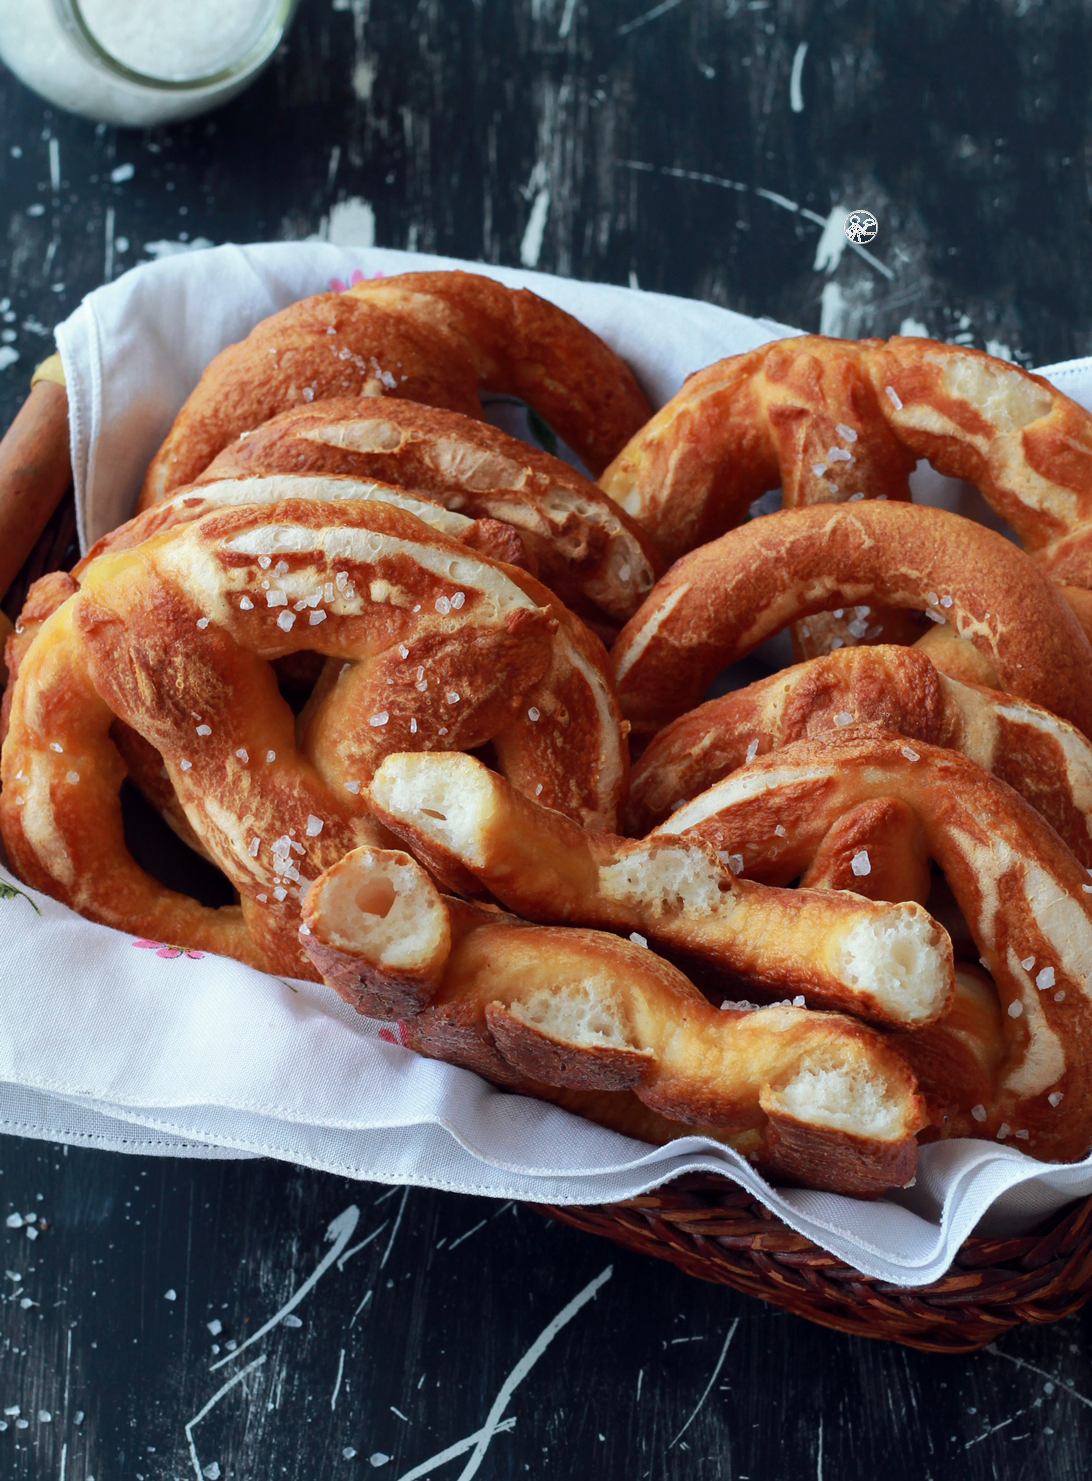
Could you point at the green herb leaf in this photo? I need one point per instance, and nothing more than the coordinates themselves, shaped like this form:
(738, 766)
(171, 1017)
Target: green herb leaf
(541, 432)
(9, 892)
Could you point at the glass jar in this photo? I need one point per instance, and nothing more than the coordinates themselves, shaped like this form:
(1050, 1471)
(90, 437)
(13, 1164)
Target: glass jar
(140, 62)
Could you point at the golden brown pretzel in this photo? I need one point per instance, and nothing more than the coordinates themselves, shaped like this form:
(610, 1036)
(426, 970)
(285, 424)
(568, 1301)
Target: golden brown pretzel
(431, 647)
(833, 420)
(889, 963)
(1025, 899)
(591, 554)
(816, 1097)
(1047, 761)
(719, 602)
(436, 337)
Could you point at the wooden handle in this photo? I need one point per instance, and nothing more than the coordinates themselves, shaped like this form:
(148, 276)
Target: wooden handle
(35, 472)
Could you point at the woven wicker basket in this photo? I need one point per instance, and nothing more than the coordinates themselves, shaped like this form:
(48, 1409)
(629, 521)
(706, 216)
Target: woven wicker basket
(712, 1229)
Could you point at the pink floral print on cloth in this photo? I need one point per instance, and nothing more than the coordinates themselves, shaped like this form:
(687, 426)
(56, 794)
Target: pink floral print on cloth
(163, 949)
(337, 286)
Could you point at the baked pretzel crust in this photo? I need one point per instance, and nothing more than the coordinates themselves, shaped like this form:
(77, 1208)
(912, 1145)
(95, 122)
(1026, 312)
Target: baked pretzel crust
(437, 338)
(718, 603)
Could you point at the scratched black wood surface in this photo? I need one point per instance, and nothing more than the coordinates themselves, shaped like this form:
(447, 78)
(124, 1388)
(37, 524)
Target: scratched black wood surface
(624, 143)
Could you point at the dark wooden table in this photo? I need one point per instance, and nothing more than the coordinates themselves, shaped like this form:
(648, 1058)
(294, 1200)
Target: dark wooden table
(621, 142)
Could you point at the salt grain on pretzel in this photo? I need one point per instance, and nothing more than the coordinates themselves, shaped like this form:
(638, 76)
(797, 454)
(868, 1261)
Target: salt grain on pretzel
(591, 554)
(719, 602)
(1044, 759)
(826, 1101)
(1019, 888)
(437, 338)
(891, 963)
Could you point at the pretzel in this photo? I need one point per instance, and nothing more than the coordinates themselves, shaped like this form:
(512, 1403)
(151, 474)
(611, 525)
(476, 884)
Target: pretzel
(173, 638)
(1047, 761)
(817, 1097)
(718, 603)
(436, 337)
(834, 420)
(887, 962)
(591, 554)
(1024, 897)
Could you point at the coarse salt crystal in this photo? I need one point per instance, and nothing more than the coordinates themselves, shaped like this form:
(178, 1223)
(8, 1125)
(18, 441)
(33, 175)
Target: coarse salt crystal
(204, 730)
(243, 754)
(1023, 1135)
(353, 787)
(893, 397)
(403, 651)
(255, 845)
(442, 730)
(276, 599)
(421, 686)
(538, 790)
(838, 455)
(202, 623)
(818, 469)
(780, 830)
(534, 713)
(314, 825)
(314, 618)
(270, 756)
(1045, 979)
(286, 621)
(752, 750)
(452, 697)
(413, 727)
(978, 1112)
(280, 893)
(638, 939)
(305, 929)
(264, 899)
(1028, 963)
(843, 719)
(55, 746)
(265, 562)
(847, 434)
(246, 605)
(458, 599)
(72, 777)
(734, 861)
(1087, 888)
(1055, 1098)
(1016, 1009)
(380, 719)
(1059, 997)
(185, 765)
(443, 606)
(909, 754)
(861, 864)
(1003, 1131)
(945, 601)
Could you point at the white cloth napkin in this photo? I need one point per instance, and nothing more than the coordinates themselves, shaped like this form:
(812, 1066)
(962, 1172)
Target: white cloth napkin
(119, 1043)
